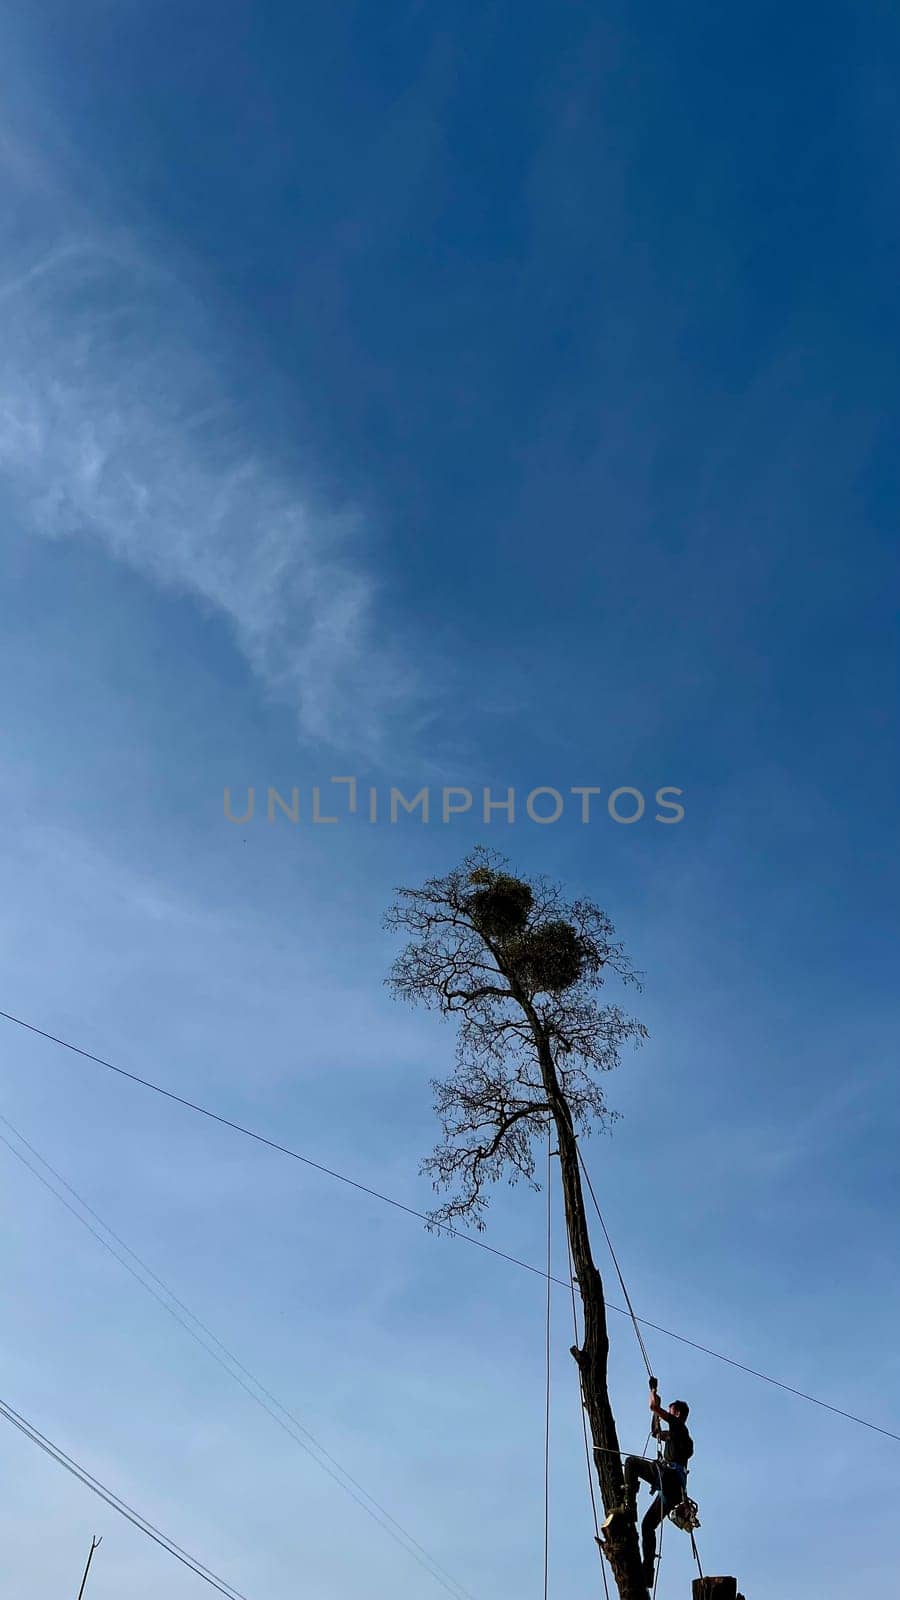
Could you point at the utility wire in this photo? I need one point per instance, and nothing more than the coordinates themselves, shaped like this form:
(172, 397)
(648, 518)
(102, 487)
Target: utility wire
(292, 1426)
(128, 1512)
(455, 1233)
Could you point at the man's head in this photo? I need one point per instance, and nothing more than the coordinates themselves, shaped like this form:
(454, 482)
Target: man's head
(680, 1409)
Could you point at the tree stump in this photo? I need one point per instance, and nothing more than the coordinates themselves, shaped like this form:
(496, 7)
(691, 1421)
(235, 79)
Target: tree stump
(715, 1589)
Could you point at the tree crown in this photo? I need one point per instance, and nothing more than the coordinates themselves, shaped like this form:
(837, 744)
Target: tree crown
(521, 967)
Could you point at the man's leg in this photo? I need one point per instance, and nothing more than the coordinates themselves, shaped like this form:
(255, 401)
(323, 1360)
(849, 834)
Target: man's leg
(673, 1489)
(636, 1470)
(649, 1526)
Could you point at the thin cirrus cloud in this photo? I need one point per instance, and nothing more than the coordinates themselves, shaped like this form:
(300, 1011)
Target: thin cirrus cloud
(114, 427)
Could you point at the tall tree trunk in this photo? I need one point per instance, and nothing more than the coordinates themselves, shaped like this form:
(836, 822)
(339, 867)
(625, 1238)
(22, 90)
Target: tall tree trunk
(622, 1544)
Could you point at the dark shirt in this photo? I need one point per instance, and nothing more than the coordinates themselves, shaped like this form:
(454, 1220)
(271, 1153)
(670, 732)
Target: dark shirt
(679, 1444)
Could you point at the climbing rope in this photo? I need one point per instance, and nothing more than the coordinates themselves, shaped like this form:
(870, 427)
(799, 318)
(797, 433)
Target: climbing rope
(615, 1260)
(587, 1448)
(696, 1552)
(547, 1363)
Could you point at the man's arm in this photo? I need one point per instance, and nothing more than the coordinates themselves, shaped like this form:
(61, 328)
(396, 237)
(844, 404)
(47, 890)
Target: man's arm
(659, 1412)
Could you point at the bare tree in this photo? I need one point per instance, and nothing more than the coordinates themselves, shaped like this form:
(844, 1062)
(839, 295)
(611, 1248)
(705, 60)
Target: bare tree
(521, 967)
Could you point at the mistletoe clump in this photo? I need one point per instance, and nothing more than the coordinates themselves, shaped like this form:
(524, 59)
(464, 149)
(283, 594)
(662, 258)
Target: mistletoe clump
(549, 959)
(546, 958)
(500, 905)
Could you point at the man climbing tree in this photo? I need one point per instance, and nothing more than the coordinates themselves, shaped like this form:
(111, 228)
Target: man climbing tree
(521, 968)
(667, 1477)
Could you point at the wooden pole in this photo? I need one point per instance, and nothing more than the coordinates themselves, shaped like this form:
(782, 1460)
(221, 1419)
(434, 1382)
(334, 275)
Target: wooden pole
(715, 1589)
(95, 1545)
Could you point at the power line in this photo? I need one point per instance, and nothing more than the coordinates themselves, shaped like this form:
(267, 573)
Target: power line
(455, 1233)
(138, 1521)
(383, 1516)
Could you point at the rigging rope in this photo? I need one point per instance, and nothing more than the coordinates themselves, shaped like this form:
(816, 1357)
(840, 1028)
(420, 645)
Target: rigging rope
(615, 1259)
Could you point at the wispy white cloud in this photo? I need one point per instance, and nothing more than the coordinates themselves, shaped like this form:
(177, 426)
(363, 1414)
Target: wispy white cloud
(115, 426)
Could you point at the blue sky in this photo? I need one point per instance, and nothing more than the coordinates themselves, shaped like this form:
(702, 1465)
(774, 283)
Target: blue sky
(481, 397)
